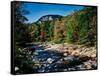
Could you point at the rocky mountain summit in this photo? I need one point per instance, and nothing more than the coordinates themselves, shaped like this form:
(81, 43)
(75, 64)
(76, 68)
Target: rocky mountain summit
(49, 18)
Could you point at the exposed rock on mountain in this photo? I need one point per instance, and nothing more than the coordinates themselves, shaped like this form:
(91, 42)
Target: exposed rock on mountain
(49, 18)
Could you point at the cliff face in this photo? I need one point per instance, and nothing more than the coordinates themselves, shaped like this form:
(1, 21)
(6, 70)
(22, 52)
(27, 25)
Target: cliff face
(49, 18)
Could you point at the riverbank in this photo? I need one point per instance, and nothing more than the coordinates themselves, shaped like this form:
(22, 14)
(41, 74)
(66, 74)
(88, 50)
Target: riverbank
(72, 49)
(64, 57)
(69, 49)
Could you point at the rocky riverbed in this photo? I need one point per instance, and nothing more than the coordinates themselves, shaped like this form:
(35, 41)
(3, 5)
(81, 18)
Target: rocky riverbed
(64, 57)
(73, 49)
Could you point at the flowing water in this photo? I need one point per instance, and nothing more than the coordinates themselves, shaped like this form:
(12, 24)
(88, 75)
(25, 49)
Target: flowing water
(52, 61)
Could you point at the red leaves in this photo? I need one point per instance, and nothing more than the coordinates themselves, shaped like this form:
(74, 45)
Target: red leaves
(43, 36)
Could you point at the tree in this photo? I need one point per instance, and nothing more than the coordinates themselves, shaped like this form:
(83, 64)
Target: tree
(21, 31)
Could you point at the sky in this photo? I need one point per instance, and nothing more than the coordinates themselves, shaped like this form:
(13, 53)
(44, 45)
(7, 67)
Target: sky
(37, 10)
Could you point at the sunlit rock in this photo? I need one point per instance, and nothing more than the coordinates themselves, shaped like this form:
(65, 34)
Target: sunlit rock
(75, 53)
(71, 69)
(38, 65)
(87, 65)
(68, 60)
(16, 68)
(65, 54)
(50, 60)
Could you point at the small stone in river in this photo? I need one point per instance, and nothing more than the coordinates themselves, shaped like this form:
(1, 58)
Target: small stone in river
(65, 54)
(38, 65)
(87, 65)
(80, 67)
(50, 60)
(60, 61)
(68, 52)
(16, 68)
(68, 59)
(71, 69)
(93, 57)
(94, 65)
(41, 70)
(75, 53)
(35, 53)
(84, 58)
(65, 70)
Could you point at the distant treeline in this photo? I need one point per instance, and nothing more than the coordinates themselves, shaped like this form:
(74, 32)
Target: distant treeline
(78, 27)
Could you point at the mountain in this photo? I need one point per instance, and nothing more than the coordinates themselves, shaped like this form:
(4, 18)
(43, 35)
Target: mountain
(49, 18)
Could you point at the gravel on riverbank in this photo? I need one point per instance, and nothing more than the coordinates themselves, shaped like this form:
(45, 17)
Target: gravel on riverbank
(74, 50)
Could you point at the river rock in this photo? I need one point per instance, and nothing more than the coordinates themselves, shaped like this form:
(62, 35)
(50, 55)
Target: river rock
(50, 60)
(16, 68)
(68, 59)
(60, 61)
(93, 57)
(87, 65)
(80, 67)
(68, 52)
(71, 69)
(38, 65)
(65, 70)
(83, 58)
(94, 64)
(75, 47)
(65, 54)
(75, 53)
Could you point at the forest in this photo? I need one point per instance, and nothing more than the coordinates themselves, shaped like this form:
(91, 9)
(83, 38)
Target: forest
(79, 30)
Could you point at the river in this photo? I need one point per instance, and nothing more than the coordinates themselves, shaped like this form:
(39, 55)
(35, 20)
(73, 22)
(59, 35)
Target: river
(52, 61)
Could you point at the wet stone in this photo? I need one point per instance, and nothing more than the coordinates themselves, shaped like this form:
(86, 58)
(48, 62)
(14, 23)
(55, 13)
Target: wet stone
(71, 69)
(54, 62)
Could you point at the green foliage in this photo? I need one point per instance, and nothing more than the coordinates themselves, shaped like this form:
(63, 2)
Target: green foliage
(85, 27)
(22, 34)
(79, 26)
(21, 29)
(73, 28)
(24, 61)
(57, 41)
